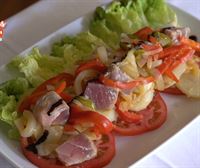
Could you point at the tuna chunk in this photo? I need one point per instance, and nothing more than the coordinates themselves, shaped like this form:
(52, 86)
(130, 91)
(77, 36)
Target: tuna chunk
(51, 109)
(76, 150)
(175, 33)
(115, 73)
(104, 97)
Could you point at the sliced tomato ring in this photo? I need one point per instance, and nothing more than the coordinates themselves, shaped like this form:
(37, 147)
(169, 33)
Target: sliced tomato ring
(128, 116)
(144, 33)
(95, 64)
(153, 117)
(173, 90)
(105, 153)
(103, 124)
(125, 85)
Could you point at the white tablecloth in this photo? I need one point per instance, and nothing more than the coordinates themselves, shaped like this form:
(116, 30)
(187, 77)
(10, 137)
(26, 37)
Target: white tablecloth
(44, 17)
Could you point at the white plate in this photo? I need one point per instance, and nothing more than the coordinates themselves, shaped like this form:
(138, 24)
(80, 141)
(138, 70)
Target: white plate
(182, 110)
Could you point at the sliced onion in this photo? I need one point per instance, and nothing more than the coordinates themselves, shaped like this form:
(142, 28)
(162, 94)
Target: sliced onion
(156, 63)
(82, 78)
(179, 70)
(102, 54)
(26, 124)
(160, 85)
(149, 63)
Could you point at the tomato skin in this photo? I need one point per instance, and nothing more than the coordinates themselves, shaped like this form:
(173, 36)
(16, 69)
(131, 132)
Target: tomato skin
(103, 124)
(126, 115)
(173, 91)
(97, 162)
(153, 117)
(95, 64)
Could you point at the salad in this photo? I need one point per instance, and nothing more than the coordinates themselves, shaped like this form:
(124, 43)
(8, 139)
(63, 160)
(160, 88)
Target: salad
(66, 108)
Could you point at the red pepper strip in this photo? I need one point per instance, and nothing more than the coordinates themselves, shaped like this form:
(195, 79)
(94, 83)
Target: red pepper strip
(171, 75)
(128, 116)
(42, 89)
(193, 44)
(95, 64)
(67, 98)
(102, 123)
(148, 47)
(172, 50)
(165, 65)
(125, 85)
(68, 78)
(28, 101)
(61, 87)
(153, 40)
(181, 57)
(144, 33)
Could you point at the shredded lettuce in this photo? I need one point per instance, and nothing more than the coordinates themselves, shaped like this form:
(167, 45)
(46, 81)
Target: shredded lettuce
(37, 67)
(128, 16)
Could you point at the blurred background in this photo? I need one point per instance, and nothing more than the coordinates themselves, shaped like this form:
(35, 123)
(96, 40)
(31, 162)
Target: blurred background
(11, 7)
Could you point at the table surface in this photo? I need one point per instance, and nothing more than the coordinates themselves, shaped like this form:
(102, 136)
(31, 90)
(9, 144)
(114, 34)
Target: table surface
(37, 21)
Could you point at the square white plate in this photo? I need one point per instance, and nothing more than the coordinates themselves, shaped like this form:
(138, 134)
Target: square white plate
(181, 110)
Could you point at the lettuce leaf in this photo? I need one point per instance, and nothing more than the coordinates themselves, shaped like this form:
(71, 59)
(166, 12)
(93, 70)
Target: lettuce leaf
(76, 49)
(128, 16)
(16, 87)
(37, 67)
(8, 113)
(10, 94)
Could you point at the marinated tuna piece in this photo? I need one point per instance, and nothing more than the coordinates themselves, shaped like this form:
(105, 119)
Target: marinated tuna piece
(115, 73)
(175, 33)
(104, 97)
(76, 150)
(51, 109)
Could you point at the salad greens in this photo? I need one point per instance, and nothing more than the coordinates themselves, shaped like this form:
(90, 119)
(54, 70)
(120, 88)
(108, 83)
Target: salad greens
(128, 16)
(10, 94)
(37, 67)
(76, 49)
(125, 16)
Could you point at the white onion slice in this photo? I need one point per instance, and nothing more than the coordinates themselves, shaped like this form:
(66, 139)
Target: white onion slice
(156, 63)
(82, 78)
(102, 54)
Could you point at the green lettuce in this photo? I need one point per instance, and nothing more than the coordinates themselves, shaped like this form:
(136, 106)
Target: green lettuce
(10, 94)
(128, 16)
(37, 67)
(16, 87)
(76, 49)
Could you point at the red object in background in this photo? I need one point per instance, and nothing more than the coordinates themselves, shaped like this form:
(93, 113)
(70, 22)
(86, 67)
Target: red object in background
(2, 26)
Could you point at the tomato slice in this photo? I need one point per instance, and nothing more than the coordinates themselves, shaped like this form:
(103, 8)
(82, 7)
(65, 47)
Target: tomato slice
(153, 117)
(95, 64)
(128, 116)
(105, 148)
(173, 90)
(103, 124)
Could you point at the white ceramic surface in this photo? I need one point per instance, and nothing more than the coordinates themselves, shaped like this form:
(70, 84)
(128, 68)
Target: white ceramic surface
(129, 149)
